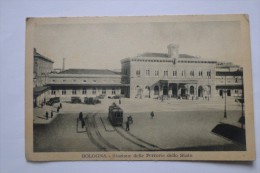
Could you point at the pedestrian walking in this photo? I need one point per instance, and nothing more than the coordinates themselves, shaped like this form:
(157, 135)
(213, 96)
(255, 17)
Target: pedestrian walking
(127, 126)
(82, 123)
(47, 115)
(120, 101)
(51, 114)
(80, 116)
(58, 109)
(152, 114)
(60, 105)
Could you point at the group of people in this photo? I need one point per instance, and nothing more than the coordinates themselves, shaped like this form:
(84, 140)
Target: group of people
(47, 113)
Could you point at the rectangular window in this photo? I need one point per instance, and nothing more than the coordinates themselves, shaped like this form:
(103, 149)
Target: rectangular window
(147, 72)
(209, 74)
(157, 73)
(165, 73)
(63, 92)
(191, 73)
(113, 91)
(200, 73)
(138, 72)
(174, 73)
(104, 91)
(84, 91)
(53, 92)
(183, 73)
(94, 91)
(74, 92)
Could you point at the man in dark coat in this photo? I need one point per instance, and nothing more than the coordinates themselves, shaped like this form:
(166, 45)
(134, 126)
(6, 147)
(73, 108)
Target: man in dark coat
(51, 114)
(80, 116)
(152, 114)
(60, 105)
(47, 115)
(82, 123)
(127, 126)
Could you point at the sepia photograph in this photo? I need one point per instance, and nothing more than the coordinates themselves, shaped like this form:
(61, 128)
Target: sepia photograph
(139, 88)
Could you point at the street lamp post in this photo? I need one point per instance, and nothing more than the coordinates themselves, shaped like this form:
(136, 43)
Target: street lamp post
(208, 85)
(225, 92)
(242, 104)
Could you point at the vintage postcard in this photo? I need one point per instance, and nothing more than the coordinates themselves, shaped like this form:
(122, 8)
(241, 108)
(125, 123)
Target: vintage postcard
(139, 88)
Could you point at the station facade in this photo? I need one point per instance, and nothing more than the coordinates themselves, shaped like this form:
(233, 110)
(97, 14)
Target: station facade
(84, 83)
(174, 75)
(149, 75)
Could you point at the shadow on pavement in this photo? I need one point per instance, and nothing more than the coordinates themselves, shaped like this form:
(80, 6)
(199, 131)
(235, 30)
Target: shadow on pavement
(230, 132)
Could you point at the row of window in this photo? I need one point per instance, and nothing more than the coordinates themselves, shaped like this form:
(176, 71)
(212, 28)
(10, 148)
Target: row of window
(74, 80)
(180, 61)
(174, 73)
(84, 91)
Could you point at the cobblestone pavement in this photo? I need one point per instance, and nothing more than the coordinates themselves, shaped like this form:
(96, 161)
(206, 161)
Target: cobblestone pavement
(177, 124)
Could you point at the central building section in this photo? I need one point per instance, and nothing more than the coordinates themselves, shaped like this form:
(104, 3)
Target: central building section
(152, 75)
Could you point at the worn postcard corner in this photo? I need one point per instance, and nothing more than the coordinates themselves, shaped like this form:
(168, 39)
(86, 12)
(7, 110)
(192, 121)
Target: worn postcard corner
(139, 88)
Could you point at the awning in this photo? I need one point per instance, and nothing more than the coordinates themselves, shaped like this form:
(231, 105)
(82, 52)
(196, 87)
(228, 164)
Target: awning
(39, 90)
(229, 87)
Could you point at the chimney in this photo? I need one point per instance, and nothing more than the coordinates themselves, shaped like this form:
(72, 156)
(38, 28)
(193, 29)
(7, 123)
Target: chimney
(63, 64)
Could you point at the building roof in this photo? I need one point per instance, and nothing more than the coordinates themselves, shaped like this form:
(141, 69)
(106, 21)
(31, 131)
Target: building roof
(85, 85)
(36, 54)
(187, 56)
(164, 55)
(152, 54)
(90, 71)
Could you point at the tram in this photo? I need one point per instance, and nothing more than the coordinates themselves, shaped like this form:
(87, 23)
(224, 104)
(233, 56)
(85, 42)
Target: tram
(115, 115)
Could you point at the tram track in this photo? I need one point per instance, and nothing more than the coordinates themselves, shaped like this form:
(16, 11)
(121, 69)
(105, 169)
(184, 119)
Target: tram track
(137, 141)
(102, 144)
(95, 136)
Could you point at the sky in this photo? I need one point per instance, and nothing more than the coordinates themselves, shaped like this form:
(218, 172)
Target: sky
(103, 45)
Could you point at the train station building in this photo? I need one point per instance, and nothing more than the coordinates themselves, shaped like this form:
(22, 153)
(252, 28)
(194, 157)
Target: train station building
(178, 75)
(151, 75)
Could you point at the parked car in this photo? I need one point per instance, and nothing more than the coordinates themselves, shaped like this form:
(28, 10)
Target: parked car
(91, 100)
(75, 100)
(53, 100)
(114, 97)
(102, 96)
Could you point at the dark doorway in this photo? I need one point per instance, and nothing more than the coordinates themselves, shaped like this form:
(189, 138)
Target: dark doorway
(183, 92)
(174, 90)
(200, 91)
(165, 90)
(220, 92)
(156, 90)
(191, 90)
(228, 93)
